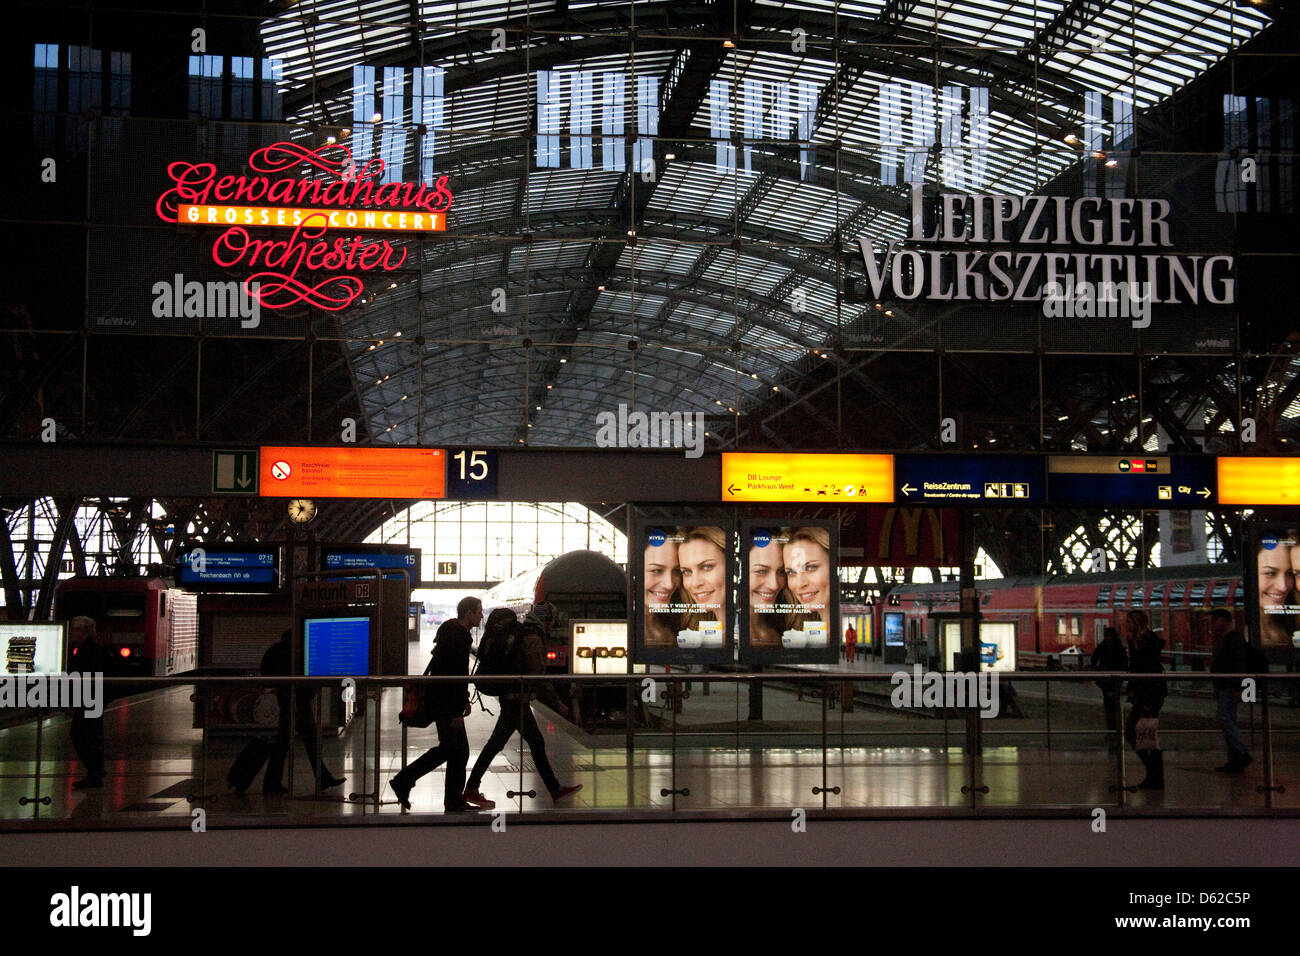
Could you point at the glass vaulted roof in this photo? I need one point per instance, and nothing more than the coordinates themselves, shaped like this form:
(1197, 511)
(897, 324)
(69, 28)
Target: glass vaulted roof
(771, 155)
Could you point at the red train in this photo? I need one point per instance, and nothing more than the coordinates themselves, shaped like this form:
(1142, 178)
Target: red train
(1065, 614)
(151, 627)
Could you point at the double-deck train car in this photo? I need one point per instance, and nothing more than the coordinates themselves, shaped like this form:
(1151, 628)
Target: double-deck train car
(582, 585)
(151, 628)
(1065, 614)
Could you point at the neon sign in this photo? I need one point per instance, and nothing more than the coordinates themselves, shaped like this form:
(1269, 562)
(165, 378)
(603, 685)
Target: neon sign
(344, 197)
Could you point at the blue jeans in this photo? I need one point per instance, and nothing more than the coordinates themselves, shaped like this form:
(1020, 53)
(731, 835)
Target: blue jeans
(1228, 721)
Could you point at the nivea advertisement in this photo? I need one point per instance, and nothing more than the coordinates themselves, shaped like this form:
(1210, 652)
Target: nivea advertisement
(682, 584)
(1272, 594)
(790, 591)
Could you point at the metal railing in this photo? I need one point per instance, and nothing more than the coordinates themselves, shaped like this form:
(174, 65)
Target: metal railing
(840, 742)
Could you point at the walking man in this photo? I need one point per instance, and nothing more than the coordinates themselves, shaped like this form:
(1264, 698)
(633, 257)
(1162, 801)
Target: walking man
(451, 649)
(1229, 658)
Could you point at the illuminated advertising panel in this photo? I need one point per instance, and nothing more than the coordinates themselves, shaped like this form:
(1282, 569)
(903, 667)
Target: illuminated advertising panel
(894, 629)
(790, 592)
(599, 647)
(31, 648)
(681, 583)
(288, 472)
(1272, 591)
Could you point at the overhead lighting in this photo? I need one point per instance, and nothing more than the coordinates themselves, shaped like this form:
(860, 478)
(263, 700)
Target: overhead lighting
(729, 44)
(752, 375)
(1071, 139)
(329, 139)
(670, 155)
(631, 232)
(377, 118)
(600, 288)
(562, 361)
(538, 407)
(1112, 162)
(1098, 154)
(549, 387)
(398, 333)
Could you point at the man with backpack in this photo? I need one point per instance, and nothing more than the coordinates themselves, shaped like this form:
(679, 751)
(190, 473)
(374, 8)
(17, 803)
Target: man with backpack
(450, 706)
(1232, 655)
(509, 647)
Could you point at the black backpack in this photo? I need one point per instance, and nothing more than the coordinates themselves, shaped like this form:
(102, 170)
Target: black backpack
(499, 653)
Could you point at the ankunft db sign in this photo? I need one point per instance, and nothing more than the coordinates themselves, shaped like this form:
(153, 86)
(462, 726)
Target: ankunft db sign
(338, 197)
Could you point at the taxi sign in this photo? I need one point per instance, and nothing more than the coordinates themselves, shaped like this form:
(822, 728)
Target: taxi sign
(288, 472)
(792, 476)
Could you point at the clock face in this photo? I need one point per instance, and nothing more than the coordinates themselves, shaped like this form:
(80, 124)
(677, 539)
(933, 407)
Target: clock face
(301, 510)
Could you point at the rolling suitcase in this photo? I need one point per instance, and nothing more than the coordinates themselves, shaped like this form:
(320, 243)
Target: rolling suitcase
(250, 760)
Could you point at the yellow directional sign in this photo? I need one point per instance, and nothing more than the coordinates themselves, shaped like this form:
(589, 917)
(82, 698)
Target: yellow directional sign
(1259, 481)
(841, 479)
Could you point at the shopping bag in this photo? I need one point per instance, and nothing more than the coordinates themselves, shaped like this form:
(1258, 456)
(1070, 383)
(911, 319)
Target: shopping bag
(1147, 734)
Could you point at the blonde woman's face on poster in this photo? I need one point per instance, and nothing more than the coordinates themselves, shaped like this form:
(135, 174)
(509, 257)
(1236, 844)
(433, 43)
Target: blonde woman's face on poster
(808, 569)
(766, 575)
(660, 572)
(704, 571)
(1275, 576)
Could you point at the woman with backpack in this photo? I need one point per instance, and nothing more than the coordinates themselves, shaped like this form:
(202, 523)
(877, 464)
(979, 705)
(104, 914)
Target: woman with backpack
(509, 647)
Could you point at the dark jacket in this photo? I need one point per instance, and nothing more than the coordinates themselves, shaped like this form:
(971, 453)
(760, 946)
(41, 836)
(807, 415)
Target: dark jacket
(275, 663)
(451, 647)
(94, 658)
(1230, 658)
(1144, 658)
(1110, 656)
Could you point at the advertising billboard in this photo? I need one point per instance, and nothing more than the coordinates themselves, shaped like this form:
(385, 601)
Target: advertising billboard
(682, 573)
(1272, 593)
(32, 648)
(790, 592)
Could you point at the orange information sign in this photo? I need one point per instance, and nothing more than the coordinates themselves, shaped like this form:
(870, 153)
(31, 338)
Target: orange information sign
(841, 479)
(1259, 481)
(287, 472)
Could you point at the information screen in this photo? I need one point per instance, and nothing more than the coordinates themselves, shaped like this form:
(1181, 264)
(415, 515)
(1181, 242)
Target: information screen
(31, 648)
(220, 569)
(382, 557)
(336, 646)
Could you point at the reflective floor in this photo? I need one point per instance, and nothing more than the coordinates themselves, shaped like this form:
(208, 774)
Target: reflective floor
(876, 759)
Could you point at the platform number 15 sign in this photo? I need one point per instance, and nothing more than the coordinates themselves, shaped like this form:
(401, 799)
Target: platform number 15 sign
(471, 473)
